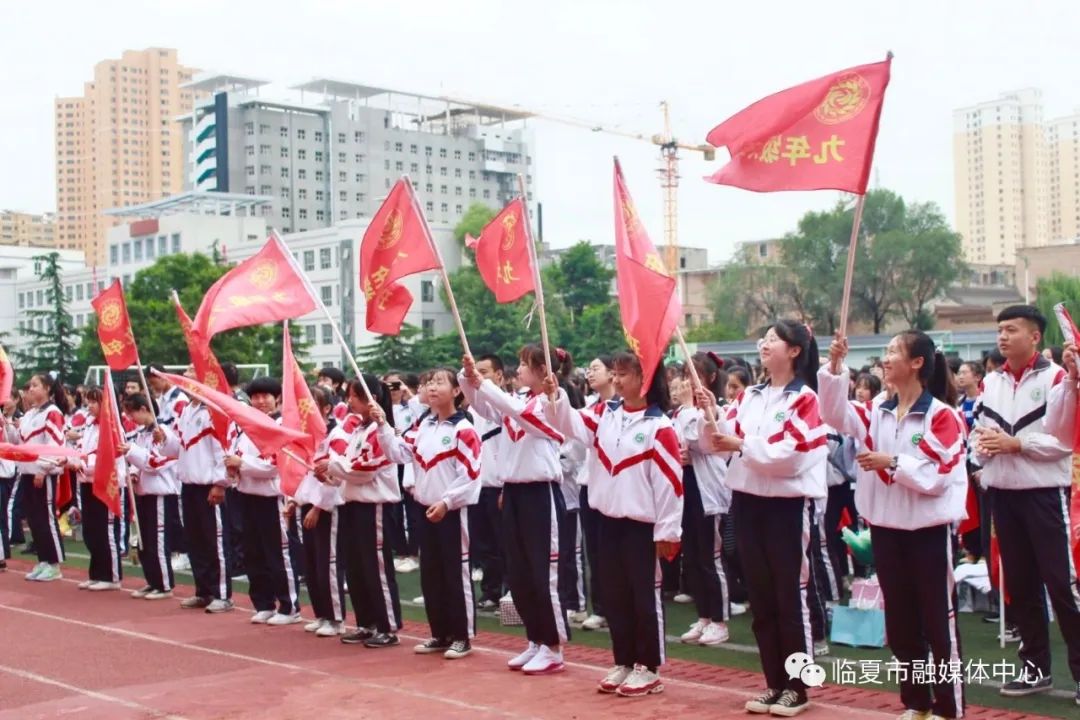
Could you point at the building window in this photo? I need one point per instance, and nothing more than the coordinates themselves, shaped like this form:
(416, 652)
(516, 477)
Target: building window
(327, 294)
(137, 250)
(175, 243)
(162, 245)
(301, 154)
(442, 171)
(284, 193)
(125, 252)
(301, 134)
(457, 172)
(429, 206)
(301, 174)
(325, 258)
(341, 138)
(358, 136)
(318, 156)
(343, 196)
(442, 189)
(302, 193)
(457, 209)
(457, 154)
(444, 207)
(487, 193)
(318, 136)
(284, 173)
(397, 147)
(309, 259)
(427, 291)
(319, 195)
(472, 156)
(457, 191)
(327, 334)
(149, 250)
(343, 176)
(320, 215)
(428, 326)
(286, 214)
(442, 152)
(283, 131)
(309, 334)
(399, 166)
(284, 152)
(114, 253)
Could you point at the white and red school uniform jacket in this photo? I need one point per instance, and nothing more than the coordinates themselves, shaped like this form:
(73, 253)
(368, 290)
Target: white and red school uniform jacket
(445, 455)
(709, 468)
(170, 405)
(257, 475)
(155, 470)
(492, 444)
(785, 444)
(311, 491)
(530, 442)
(638, 452)
(43, 425)
(200, 459)
(77, 421)
(363, 470)
(929, 486)
(340, 411)
(1020, 409)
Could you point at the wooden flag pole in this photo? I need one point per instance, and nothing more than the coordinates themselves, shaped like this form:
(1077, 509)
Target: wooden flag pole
(137, 533)
(1001, 601)
(538, 285)
(849, 274)
(442, 265)
(695, 379)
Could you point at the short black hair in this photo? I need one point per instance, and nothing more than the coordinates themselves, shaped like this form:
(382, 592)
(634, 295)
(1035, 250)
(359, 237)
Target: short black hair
(1024, 312)
(137, 401)
(155, 366)
(411, 380)
(264, 384)
(231, 372)
(336, 376)
(495, 360)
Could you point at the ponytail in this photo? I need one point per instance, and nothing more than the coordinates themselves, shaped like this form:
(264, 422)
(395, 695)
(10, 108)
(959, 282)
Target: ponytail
(934, 374)
(807, 361)
(710, 366)
(57, 396)
(380, 392)
(941, 383)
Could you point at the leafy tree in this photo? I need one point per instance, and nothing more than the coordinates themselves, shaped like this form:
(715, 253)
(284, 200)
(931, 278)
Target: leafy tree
(580, 278)
(715, 331)
(1053, 290)
(929, 259)
(157, 331)
(473, 221)
(54, 347)
(391, 352)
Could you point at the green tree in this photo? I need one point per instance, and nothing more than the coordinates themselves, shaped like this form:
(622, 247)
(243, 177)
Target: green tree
(473, 221)
(1049, 292)
(715, 331)
(391, 352)
(55, 346)
(157, 331)
(580, 278)
(929, 258)
(748, 294)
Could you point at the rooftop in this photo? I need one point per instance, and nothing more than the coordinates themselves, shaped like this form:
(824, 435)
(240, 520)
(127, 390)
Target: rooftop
(193, 202)
(223, 82)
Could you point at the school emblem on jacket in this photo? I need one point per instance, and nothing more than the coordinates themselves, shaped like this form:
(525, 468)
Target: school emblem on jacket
(916, 439)
(1037, 394)
(446, 440)
(779, 417)
(640, 438)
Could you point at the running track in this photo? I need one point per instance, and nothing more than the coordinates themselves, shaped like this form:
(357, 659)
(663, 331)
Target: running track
(105, 655)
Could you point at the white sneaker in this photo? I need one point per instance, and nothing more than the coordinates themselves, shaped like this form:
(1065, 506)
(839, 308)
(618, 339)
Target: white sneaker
(49, 573)
(218, 605)
(578, 617)
(545, 662)
(418, 600)
(35, 571)
(683, 599)
(715, 634)
(101, 586)
(594, 622)
(821, 648)
(158, 594)
(641, 681)
(695, 632)
(914, 715)
(399, 563)
(477, 575)
(615, 677)
(283, 619)
(314, 625)
(331, 628)
(261, 617)
(85, 584)
(520, 661)
(142, 592)
(180, 563)
(738, 609)
(414, 565)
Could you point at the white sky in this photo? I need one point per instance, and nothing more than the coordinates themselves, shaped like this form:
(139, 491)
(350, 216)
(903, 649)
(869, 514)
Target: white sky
(608, 62)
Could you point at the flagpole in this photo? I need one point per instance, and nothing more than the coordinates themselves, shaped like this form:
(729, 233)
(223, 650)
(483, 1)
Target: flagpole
(442, 265)
(695, 379)
(1001, 601)
(849, 274)
(539, 286)
(119, 429)
(326, 312)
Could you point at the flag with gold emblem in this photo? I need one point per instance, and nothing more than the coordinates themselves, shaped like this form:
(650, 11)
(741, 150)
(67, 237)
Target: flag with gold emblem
(114, 328)
(300, 412)
(396, 244)
(816, 136)
(649, 306)
(502, 254)
(108, 466)
(207, 368)
(268, 287)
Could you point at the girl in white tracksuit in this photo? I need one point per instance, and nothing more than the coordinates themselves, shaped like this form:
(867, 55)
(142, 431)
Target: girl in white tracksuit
(707, 499)
(638, 494)
(911, 488)
(370, 491)
(444, 448)
(776, 440)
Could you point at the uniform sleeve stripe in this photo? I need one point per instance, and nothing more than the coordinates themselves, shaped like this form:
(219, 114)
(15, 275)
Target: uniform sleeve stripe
(529, 416)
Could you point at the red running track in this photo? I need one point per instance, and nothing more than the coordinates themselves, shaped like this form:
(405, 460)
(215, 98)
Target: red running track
(105, 655)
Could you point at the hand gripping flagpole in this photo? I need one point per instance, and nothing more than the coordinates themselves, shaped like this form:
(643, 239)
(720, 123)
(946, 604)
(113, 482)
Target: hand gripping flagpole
(326, 312)
(442, 265)
(538, 285)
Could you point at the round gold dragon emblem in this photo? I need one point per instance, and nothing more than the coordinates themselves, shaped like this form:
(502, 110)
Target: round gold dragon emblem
(110, 315)
(508, 223)
(263, 275)
(392, 230)
(845, 99)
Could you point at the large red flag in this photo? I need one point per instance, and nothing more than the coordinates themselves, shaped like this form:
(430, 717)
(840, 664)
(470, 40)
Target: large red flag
(502, 254)
(395, 245)
(7, 376)
(265, 433)
(106, 485)
(815, 136)
(207, 369)
(31, 453)
(298, 412)
(114, 328)
(265, 288)
(648, 303)
(1072, 336)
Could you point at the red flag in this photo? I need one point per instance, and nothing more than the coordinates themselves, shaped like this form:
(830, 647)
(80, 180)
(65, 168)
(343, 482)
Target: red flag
(114, 328)
(106, 485)
(7, 376)
(31, 453)
(648, 304)
(207, 369)
(298, 412)
(1071, 336)
(502, 254)
(265, 288)
(815, 136)
(973, 518)
(265, 433)
(395, 245)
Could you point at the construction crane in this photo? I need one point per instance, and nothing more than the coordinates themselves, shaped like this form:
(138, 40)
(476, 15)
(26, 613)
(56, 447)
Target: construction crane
(668, 171)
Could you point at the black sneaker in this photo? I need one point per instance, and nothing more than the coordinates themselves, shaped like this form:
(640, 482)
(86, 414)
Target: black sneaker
(3, 565)
(761, 704)
(381, 640)
(790, 704)
(457, 650)
(359, 636)
(1028, 682)
(434, 645)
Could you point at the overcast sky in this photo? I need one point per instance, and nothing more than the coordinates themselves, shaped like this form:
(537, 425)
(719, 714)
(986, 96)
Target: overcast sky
(608, 62)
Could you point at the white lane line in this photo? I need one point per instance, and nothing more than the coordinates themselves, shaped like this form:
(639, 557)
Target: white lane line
(131, 705)
(271, 663)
